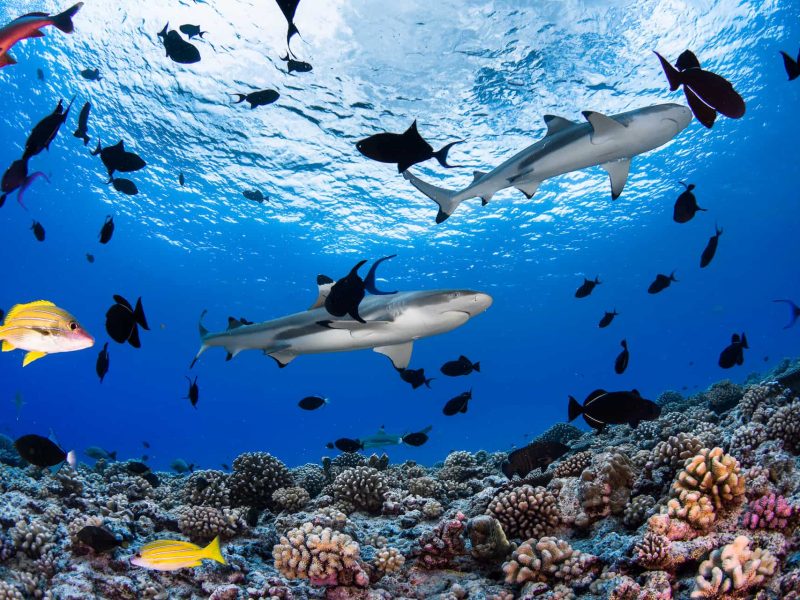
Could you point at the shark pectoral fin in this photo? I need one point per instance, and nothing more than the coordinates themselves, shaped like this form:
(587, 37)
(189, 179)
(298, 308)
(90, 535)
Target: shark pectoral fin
(34, 34)
(485, 199)
(603, 127)
(282, 357)
(556, 124)
(324, 285)
(32, 356)
(399, 354)
(618, 173)
(529, 189)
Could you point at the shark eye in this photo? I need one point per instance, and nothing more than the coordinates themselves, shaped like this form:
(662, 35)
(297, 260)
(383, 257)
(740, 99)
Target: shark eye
(73, 325)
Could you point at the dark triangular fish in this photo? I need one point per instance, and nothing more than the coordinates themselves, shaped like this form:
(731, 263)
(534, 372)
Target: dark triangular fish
(462, 366)
(459, 404)
(194, 392)
(38, 231)
(607, 318)
(603, 408)
(660, 283)
(107, 230)
(39, 450)
(288, 8)
(97, 538)
(298, 66)
(711, 248)
(103, 362)
(312, 402)
(178, 49)
(123, 321)
(260, 98)
(791, 65)
(536, 455)
(795, 312)
(255, 196)
(418, 438)
(126, 186)
(91, 74)
(415, 377)
(346, 295)
(90, 258)
(83, 119)
(116, 158)
(348, 445)
(40, 74)
(137, 467)
(192, 31)
(46, 130)
(621, 363)
(733, 354)
(181, 179)
(404, 149)
(686, 205)
(587, 287)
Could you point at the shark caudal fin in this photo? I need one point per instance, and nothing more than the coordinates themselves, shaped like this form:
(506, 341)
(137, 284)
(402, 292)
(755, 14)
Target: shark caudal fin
(446, 199)
(63, 21)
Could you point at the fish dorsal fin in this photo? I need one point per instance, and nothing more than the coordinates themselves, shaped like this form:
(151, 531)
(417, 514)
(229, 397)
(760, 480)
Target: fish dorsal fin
(594, 396)
(412, 130)
(324, 285)
(603, 127)
(555, 124)
(477, 175)
(635, 392)
(234, 323)
(618, 174)
(687, 60)
(18, 308)
(399, 354)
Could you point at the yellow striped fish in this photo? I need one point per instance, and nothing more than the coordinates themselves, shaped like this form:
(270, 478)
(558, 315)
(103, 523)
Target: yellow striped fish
(42, 328)
(170, 555)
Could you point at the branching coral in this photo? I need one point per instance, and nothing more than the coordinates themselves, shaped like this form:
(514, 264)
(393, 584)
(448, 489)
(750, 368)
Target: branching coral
(291, 499)
(784, 425)
(204, 523)
(459, 466)
(652, 551)
(754, 395)
(437, 548)
(637, 510)
(732, 570)
(768, 512)
(723, 396)
(572, 466)
(256, 475)
(32, 538)
(525, 512)
(427, 487)
(674, 451)
(547, 560)
(9, 592)
(361, 488)
(310, 477)
(388, 560)
(207, 487)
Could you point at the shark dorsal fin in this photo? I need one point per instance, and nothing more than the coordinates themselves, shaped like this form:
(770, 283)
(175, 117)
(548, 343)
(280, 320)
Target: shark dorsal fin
(234, 323)
(555, 124)
(477, 175)
(603, 127)
(324, 285)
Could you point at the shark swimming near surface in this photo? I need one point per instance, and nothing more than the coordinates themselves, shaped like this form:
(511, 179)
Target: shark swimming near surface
(391, 325)
(608, 141)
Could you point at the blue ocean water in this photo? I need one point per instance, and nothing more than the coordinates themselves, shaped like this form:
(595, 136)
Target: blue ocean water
(485, 72)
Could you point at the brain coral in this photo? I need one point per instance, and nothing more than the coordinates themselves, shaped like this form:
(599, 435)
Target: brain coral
(256, 475)
(547, 560)
(361, 488)
(316, 553)
(732, 570)
(525, 512)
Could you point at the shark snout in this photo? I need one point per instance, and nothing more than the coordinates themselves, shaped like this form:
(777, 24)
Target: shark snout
(478, 303)
(678, 117)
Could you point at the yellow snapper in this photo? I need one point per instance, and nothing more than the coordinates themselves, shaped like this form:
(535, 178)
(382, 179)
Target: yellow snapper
(42, 328)
(171, 555)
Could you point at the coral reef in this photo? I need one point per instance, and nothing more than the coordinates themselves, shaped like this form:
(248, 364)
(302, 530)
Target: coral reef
(525, 512)
(360, 488)
(256, 475)
(547, 560)
(770, 511)
(733, 570)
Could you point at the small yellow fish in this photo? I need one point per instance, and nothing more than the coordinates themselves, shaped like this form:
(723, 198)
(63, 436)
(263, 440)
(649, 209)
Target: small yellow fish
(42, 328)
(171, 555)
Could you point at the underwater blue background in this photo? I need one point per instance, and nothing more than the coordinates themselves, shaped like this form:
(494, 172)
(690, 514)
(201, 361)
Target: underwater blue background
(485, 72)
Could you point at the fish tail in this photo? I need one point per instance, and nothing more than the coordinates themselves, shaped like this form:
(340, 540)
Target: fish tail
(672, 276)
(241, 97)
(113, 455)
(673, 75)
(624, 344)
(428, 382)
(744, 341)
(63, 21)
(476, 366)
(138, 315)
(447, 200)
(369, 282)
(574, 409)
(597, 280)
(213, 552)
(441, 155)
(200, 326)
(717, 229)
(163, 32)
(3, 199)
(97, 150)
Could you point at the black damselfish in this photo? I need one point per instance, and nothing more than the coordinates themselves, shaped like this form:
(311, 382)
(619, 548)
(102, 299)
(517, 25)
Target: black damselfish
(621, 363)
(194, 392)
(711, 248)
(686, 205)
(103, 362)
(603, 408)
(462, 366)
(587, 287)
(404, 149)
(123, 321)
(459, 404)
(607, 318)
(261, 98)
(415, 377)
(660, 283)
(733, 354)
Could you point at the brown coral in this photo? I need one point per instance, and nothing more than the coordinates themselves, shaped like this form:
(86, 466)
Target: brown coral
(291, 499)
(487, 538)
(389, 560)
(547, 560)
(734, 569)
(256, 475)
(652, 551)
(525, 512)
(784, 425)
(637, 510)
(572, 466)
(207, 487)
(674, 451)
(203, 523)
(361, 488)
(604, 487)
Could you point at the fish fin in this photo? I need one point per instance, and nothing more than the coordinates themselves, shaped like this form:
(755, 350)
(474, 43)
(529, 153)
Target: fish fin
(7, 347)
(603, 127)
(351, 325)
(634, 423)
(486, 198)
(234, 323)
(744, 341)
(213, 551)
(791, 65)
(113, 455)
(32, 356)
(120, 300)
(635, 392)
(369, 281)
(242, 98)
(556, 124)
(412, 130)
(446, 199)
(687, 60)
(573, 409)
(34, 34)
(441, 155)
(282, 357)
(63, 21)
(529, 189)
(324, 285)
(476, 366)
(399, 354)
(18, 308)
(203, 348)
(138, 314)
(133, 338)
(6, 59)
(673, 75)
(618, 174)
(702, 111)
(592, 422)
(477, 175)
(795, 312)
(464, 408)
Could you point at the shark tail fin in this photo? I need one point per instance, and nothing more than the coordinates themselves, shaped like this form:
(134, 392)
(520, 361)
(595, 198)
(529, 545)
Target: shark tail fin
(63, 21)
(446, 199)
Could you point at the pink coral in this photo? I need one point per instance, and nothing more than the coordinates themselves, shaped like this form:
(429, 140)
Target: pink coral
(768, 512)
(446, 541)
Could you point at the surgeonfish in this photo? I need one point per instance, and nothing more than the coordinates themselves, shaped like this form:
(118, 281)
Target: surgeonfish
(42, 328)
(28, 26)
(711, 248)
(404, 149)
(43, 452)
(603, 408)
(171, 555)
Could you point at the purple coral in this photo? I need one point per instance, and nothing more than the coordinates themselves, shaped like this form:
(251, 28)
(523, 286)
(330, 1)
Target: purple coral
(446, 541)
(770, 511)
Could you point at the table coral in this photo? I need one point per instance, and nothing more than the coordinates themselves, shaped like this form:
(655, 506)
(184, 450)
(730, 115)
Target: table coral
(525, 512)
(733, 570)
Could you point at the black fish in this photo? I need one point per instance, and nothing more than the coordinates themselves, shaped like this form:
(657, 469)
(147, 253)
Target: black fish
(418, 438)
(685, 206)
(45, 131)
(707, 93)
(791, 65)
(456, 405)
(462, 366)
(90, 257)
(126, 186)
(101, 367)
(346, 294)
(733, 354)
(261, 98)
(288, 8)
(83, 120)
(181, 179)
(296, 65)
(711, 248)
(136, 467)
(603, 408)
(123, 321)
(192, 31)
(38, 231)
(178, 49)
(795, 312)
(225, 466)
(587, 287)
(255, 196)
(152, 479)
(39, 451)
(536, 455)
(40, 74)
(348, 445)
(107, 230)
(312, 402)
(146, 444)
(661, 283)
(116, 158)
(416, 377)
(330, 446)
(15, 176)
(194, 392)
(607, 318)
(91, 74)
(98, 539)
(405, 149)
(622, 360)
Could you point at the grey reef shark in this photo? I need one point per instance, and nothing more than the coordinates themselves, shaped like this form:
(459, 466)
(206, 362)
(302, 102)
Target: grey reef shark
(392, 324)
(608, 141)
